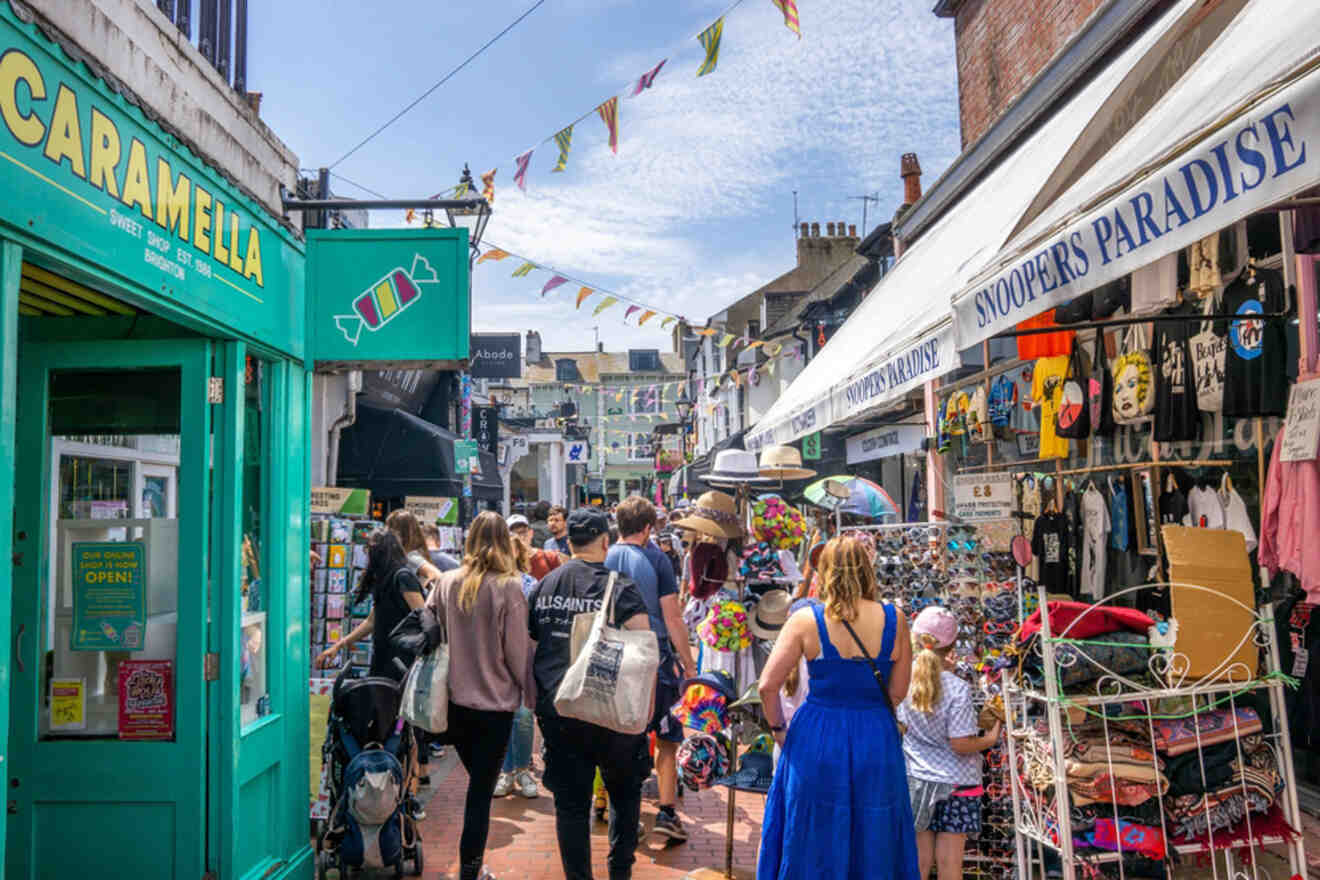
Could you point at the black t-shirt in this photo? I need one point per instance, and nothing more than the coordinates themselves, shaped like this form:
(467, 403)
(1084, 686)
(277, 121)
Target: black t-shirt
(1256, 359)
(390, 607)
(1072, 515)
(1049, 541)
(1173, 507)
(1177, 416)
(576, 587)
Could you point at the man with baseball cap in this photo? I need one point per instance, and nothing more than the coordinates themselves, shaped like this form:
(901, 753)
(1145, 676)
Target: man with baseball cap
(574, 748)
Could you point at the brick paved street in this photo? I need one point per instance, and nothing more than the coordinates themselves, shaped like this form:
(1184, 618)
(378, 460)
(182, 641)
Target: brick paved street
(522, 834)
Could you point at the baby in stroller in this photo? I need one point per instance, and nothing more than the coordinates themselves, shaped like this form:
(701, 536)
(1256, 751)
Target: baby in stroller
(372, 767)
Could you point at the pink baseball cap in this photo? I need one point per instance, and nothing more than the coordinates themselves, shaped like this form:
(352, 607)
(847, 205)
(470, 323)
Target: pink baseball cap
(937, 623)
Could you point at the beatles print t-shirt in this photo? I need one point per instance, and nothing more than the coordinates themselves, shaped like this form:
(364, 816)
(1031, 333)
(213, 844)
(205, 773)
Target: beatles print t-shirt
(1256, 360)
(1049, 542)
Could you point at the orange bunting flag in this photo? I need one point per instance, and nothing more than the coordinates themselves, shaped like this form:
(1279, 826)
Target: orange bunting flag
(609, 113)
(790, 11)
(582, 295)
(707, 331)
(604, 304)
(488, 186)
(646, 316)
(754, 343)
(492, 254)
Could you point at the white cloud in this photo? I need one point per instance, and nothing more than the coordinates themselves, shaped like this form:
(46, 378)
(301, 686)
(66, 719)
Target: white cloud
(695, 210)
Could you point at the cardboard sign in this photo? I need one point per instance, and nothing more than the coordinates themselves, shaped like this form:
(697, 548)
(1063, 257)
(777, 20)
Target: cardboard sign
(441, 511)
(334, 499)
(68, 704)
(109, 596)
(982, 496)
(146, 699)
(1301, 431)
(1213, 630)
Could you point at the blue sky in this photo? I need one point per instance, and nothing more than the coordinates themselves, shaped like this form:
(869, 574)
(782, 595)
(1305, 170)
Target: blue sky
(696, 210)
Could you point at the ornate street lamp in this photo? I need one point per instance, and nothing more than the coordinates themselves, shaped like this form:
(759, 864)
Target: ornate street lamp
(471, 211)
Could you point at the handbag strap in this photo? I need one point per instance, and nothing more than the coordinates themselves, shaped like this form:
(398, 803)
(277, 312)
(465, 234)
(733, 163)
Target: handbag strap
(1101, 358)
(875, 667)
(606, 612)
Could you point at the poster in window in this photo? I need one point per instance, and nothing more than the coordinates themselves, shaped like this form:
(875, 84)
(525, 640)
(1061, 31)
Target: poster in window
(146, 699)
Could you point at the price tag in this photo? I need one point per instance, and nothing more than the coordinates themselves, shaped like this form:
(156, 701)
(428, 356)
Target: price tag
(1300, 661)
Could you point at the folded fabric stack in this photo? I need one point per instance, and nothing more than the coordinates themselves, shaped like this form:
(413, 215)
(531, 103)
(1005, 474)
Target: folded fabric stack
(1095, 641)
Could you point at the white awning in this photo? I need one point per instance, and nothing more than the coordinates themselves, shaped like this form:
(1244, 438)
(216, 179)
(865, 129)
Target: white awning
(901, 335)
(1237, 132)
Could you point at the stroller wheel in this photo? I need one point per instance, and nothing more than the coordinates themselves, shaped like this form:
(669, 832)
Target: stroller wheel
(323, 865)
(417, 860)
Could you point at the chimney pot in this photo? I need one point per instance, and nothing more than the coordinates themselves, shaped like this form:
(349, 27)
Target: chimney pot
(852, 230)
(840, 227)
(911, 174)
(815, 230)
(829, 229)
(806, 228)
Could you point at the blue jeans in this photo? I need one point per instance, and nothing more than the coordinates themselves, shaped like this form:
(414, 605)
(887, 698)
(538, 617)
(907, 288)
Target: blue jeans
(519, 754)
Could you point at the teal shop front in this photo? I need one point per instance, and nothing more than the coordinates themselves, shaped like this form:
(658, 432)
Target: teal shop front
(154, 419)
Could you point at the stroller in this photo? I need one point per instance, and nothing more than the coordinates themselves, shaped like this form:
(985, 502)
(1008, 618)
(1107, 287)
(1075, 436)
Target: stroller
(371, 762)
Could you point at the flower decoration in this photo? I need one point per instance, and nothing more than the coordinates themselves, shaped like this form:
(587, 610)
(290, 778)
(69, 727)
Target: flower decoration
(775, 523)
(725, 627)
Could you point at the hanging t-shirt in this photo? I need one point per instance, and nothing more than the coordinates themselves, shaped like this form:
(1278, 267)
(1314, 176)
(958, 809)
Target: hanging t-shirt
(1049, 541)
(1205, 508)
(1120, 529)
(1002, 399)
(1173, 508)
(1256, 360)
(955, 413)
(1026, 417)
(1176, 414)
(1203, 265)
(977, 416)
(1095, 533)
(1038, 345)
(1047, 391)
(1029, 496)
(1072, 514)
(1155, 285)
(1236, 516)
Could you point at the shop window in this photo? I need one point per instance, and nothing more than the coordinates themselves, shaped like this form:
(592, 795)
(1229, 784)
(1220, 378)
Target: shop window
(254, 691)
(641, 448)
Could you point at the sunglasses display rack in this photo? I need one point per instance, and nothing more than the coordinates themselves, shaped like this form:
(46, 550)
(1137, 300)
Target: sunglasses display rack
(1125, 765)
(967, 569)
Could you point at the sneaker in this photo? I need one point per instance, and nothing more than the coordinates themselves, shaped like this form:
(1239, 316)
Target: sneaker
(436, 750)
(424, 780)
(527, 785)
(503, 785)
(669, 825)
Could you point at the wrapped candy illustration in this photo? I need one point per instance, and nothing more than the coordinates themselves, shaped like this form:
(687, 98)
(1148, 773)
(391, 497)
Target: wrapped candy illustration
(386, 299)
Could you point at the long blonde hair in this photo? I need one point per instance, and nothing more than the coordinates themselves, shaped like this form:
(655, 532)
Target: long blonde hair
(927, 669)
(487, 551)
(847, 577)
(408, 527)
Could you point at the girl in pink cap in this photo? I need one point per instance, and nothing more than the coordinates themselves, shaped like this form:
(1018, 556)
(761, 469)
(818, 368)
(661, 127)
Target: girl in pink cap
(942, 748)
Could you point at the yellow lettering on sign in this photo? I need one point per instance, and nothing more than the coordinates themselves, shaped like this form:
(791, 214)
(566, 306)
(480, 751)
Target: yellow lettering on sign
(221, 254)
(137, 182)
(105, 154)
(235, 261)
(252, 262)
(15, 68)
(172, 200)
(64, 138)
(202, 220)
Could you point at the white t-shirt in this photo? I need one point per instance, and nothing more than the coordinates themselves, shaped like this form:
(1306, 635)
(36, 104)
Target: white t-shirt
(1205, 510)
(1236, 516)
(1155, 285)
(1095, 537)
(978, 416)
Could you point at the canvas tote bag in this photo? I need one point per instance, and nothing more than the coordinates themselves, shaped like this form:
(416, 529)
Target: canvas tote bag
(1073, 417)
(1134, 380)
(425, 702)
(611, 679)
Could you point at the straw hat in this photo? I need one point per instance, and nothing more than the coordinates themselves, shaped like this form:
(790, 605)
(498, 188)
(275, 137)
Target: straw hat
(714, 514)
(783, 463)
(734, 467)
(770, 614)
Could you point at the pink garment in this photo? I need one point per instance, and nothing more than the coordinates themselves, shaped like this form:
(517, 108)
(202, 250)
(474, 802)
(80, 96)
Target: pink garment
(1290, 520)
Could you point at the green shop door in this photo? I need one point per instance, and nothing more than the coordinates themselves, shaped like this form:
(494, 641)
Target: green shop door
(108, 754)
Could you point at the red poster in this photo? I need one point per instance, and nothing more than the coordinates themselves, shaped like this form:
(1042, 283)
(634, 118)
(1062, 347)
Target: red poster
(146, 699)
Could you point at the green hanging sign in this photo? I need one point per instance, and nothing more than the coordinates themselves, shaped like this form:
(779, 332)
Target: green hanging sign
(467, 460)
(811, 447)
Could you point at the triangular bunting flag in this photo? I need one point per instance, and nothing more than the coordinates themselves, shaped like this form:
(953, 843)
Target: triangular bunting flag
(609, 113)
(707, 331)
(628, 314)
(710, 41)
(563, 140)
(770, 368)
(604, 304)
(754, 343)
(790, 10)
(725, 340)
(646, 316)
(775, 350)
(520, 171)
(488, 186)
(582, 295)
(553, 283)
(492, 254)
(461, 190)
(524, 269)
(667, 321)
(646, 80)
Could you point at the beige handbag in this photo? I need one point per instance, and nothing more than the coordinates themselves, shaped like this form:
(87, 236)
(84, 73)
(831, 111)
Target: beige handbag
(611, 679)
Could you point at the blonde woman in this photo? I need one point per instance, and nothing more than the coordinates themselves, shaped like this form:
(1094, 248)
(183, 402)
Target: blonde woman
(486, 615)
(942, 748)
(838, 805)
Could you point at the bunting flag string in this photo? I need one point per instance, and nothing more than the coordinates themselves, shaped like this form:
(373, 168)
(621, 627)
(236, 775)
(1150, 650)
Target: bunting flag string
(790, 11)
(609, 113)
(582, 295)
(488, 186)
(564, 140)
(492, 254)
(520, 170)
(554, 282)
(710, 41)
(523, 270)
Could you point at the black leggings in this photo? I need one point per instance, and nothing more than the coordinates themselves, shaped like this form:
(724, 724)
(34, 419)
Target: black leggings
(480, 739)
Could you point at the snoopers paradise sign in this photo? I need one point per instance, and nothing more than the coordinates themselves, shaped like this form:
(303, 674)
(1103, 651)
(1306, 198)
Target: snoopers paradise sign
(395, 296)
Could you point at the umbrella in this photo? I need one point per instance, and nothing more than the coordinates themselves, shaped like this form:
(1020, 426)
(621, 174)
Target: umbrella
(865, 498)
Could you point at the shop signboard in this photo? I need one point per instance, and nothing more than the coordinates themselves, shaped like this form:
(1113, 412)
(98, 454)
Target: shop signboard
(441, 511)
(577, 452)
(486, 428)
(109, 596)
(146, 699)
(1301, 432)
(87, 169)
(884, 442)
(979, 497)
(467, 459)
(909, 366)
(337, 499)
(388, 296)
(496, 356)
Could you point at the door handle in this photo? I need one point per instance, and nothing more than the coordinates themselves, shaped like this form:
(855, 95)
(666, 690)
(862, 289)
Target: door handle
(18, 647)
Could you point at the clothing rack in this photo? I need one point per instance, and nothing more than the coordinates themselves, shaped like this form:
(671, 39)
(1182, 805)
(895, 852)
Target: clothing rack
(1146, 319)
(1099, 468)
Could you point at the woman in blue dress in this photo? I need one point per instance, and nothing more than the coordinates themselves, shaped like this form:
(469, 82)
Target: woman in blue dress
(839, 807)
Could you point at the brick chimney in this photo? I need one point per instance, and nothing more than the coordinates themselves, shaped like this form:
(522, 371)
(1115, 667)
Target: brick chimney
(911, 174)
